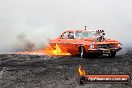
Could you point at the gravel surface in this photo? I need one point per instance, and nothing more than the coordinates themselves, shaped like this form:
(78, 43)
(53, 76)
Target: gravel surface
(30, 71)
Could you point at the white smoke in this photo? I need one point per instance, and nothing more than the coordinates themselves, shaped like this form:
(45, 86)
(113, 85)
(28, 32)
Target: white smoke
(40, 20)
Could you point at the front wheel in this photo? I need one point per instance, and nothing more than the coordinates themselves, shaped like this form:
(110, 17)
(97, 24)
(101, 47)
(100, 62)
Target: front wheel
(112, 54)
(82, 52)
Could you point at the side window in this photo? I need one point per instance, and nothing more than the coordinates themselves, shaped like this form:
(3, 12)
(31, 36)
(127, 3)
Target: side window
(67, 35)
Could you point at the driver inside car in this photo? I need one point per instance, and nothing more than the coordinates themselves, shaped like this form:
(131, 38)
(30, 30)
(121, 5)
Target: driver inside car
(71, 35)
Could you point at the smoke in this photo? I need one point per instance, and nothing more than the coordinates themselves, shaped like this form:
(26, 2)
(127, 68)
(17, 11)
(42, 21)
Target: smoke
(33, 40)
(30, 24)
(25, 44)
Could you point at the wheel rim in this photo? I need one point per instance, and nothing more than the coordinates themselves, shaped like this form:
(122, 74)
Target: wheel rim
(82, 51)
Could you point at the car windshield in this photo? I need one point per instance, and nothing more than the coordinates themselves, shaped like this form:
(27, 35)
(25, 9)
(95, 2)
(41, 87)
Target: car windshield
(85, 34)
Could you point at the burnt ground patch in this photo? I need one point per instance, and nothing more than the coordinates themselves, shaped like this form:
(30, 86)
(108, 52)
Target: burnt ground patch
(30, 71)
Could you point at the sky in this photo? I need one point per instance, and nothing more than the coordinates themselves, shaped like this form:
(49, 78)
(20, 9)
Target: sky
(36, 21)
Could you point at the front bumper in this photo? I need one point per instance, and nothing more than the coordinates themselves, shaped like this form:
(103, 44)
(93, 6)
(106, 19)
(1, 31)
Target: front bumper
(103, 50)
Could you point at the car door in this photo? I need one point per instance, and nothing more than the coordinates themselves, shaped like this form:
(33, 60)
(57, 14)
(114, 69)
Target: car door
(62, 42)
(67, 41)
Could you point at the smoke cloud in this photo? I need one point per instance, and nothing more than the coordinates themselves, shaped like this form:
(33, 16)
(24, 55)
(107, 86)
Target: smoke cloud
(31, 23)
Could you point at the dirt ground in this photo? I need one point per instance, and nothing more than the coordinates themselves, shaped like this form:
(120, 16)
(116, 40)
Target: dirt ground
(30, 71)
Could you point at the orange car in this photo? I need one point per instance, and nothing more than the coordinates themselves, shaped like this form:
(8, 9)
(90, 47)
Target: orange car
(85, 42)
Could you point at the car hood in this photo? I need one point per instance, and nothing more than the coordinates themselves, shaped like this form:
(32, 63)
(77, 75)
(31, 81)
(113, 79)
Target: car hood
(106, 41)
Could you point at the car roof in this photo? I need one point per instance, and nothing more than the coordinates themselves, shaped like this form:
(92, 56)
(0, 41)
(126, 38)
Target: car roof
(79, 30)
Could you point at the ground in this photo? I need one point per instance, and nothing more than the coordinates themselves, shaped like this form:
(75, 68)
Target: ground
(30, 71)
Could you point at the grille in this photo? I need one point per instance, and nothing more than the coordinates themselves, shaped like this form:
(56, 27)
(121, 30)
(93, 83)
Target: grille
(106, 46)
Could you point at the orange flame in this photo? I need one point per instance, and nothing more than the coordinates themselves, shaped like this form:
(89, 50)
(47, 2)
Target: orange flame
(56, 50)
(81, 71)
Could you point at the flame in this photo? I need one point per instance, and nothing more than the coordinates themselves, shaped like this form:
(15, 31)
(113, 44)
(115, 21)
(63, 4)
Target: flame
(81, 71)
(37, 52)
(56, 50)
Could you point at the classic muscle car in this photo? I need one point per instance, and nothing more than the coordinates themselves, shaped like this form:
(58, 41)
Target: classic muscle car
(83, 42)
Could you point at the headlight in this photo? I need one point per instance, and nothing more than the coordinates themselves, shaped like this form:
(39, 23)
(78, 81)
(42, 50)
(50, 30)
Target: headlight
(119, 45)
(91, 46)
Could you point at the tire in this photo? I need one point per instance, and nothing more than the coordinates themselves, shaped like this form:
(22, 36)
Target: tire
(97, 55)
(79, 81)
(112, 54)
(82, 52)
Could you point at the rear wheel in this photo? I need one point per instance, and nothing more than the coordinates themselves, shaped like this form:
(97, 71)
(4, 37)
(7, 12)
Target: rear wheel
(82, 52)
(112, 54)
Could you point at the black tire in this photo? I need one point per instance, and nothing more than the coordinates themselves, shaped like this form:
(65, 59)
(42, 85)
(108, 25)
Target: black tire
(80, 80)
(112, 54)
(97, 55)
(82, 52)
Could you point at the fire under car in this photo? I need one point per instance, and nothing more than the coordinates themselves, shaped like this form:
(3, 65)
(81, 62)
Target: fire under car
(86, 42)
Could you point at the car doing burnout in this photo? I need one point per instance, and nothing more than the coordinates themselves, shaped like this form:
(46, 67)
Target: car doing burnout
(87, 42)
